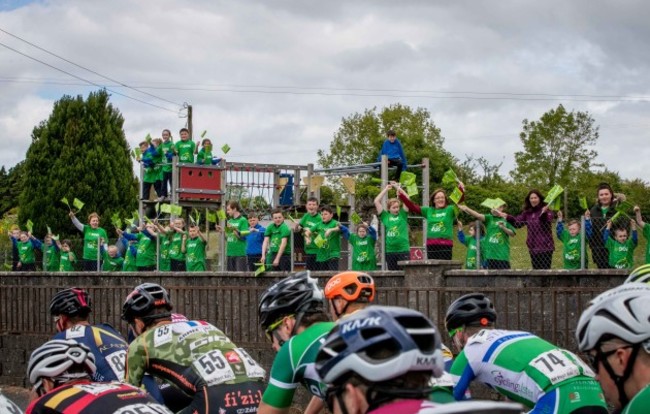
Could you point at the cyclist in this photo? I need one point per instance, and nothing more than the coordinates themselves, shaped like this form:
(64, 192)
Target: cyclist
(61, 370)
(348, 292)
(381, 360)
(293, 316)
(519, 365)
(614, 331)
(639, 275)
(194, 356)
(71, 310)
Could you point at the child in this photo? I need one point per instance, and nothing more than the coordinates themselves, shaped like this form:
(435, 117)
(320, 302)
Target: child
(130, 254)
(363, 246)
(177, 257)
(308, 222)
(329, 252)
(235, 242)
(620, 247)
(113, 262)
(571, 252)
(645, 230)
(158, 168)
(204, 157)
(185, 148)
(470, 243)
(68, 258)
(167, 152)
(393, 150)
(194, 249)
(50, 254)
(14, 234)
(148, 160)
(27, 244)
(497, 236)
(145, 259)
(395, 221)
(254, 241)
(164, 260)
(276, 238)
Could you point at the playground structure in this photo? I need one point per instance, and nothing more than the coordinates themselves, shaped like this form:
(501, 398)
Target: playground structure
(264, 187)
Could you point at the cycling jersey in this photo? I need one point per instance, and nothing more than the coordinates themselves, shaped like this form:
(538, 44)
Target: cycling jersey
(640, 402)
(108, 346)
(8, 407)
(196, 357)
(524, 368)
(86, 397)
(294, 364)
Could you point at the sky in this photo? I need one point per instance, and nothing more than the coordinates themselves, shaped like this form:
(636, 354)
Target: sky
(273, 79)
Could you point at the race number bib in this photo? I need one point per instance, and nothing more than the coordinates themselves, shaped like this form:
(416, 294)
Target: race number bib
(77, 331)
(143, 409)
(163, 335)
(117, 362)
(555, 366)
(213, 368)
(253, 370)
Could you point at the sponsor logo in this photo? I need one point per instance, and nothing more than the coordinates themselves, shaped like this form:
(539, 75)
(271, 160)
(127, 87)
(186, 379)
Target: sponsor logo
(507, 383)
(360, 323)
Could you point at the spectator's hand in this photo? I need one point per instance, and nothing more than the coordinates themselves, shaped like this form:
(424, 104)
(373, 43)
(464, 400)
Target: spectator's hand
(632, 224)
(276, 262)
(218, 228)
(545, 209)
(559, 216)
(460, 225)
(609, 224)
(587, 215)
(637, 209)
(71, 214)
(119, 231)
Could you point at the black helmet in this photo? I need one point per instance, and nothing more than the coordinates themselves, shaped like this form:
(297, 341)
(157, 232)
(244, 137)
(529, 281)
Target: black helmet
(71, 302)
(144, 299)
(473, 309)
(298, 293)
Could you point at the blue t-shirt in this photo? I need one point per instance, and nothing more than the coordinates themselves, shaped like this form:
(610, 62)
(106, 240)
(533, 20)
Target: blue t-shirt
(255, 240)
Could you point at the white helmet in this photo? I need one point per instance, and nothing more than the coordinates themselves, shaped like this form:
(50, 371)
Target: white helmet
(639, 275)
(622, 312)
(54, 358)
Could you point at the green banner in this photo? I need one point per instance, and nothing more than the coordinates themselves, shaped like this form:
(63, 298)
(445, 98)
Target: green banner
(355, 218)
(449, 177)
(553, 193)
(225, 148)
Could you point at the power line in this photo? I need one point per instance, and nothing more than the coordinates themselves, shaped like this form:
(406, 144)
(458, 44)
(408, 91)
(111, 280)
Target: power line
(85, 80)
(86, 69)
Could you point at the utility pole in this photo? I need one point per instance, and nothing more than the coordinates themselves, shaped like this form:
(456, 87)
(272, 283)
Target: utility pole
(189, 121)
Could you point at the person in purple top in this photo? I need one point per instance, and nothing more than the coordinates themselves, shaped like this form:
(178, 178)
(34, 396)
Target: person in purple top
(539, 219)
(393, 150)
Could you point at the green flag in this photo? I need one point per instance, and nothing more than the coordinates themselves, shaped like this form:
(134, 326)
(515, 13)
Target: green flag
(49, 230)
(166, 208)
(29, 225)
(205, 131)
(412, 190)
(449, 177)
(375, 180)
(221, 214)
(211, 216)
(64, 200)
(407, 178)
(583, 203)
(493, 203)
(624, 206)
(129, 222)
(319, 241)
(553, 193)
(291, 219)
(338, 212)
(355, 218)
(148, 138)
(225, 148)
(137, 153)
(176, 209)
(456, 195)
(260, 269)
(55, 237)
(555, 204)
(78, 204)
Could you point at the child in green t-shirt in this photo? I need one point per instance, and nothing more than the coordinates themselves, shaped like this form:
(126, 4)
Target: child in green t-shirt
(235, 242)
(130, 253)
(470, 242)
(167, 152)
(395, 221)
(363, 246)
(185, 148)
(194, 248)
(113, 262)
(571, 240)
(27, 245)
(165, 240)
(176, 256)
(68, 258)
(276, 240)
(645, 230)
(327, 237)
(204, 156)
(497, 236)
(51, 254)
(308, 222)
(620, 247)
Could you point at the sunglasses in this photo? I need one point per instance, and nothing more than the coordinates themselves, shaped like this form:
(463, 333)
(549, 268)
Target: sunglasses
(601, 356)
(270, 331)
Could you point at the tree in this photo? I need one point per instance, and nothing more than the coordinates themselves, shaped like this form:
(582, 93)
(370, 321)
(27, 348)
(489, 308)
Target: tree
(79, 151)
(11, 184)
(557, 149)
(361, 135)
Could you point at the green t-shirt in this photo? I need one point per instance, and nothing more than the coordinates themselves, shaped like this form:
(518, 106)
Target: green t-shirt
(331, 248)
(571, 250)
(164, 262)
(195, 254)
(235, 244)
(129, 261)
(640, 402)
(66, 261)
(496, 242)
(175, 248)
(146, 251)
(26, 252)
(275, 235)
(51, 253)
(440, 222)
(397, 231)
(309, 222)
(621, 255)
(646, 234)
(185, 151)
(112, 264)
(204, 157)
(91, 237)
(190, 355)
(164, 148)
(294, 365)
(150, 173)
(363, 252)
(470, 256)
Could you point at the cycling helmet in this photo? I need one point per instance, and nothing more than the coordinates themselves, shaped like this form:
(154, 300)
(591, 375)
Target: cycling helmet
(144, 299)
(473, 309)
(380, 343)
(350, 286)
(622, 312)
(639, 275)
(71, 302)
(298, 293)
(54, 359)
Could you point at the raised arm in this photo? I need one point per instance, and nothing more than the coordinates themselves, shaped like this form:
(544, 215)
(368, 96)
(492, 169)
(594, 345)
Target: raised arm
(76, 222)
(639, 219)
(380, 197)
(471, 212)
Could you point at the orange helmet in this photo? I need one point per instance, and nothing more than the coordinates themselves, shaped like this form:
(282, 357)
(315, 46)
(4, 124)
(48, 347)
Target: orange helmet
(351, 286)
